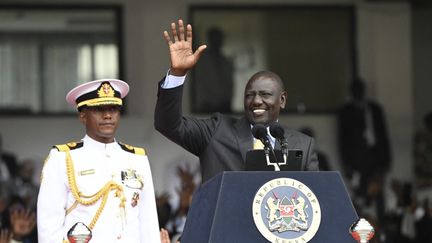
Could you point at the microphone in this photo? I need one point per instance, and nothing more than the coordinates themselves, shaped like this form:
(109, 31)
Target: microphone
(259, 131)
(277, 131)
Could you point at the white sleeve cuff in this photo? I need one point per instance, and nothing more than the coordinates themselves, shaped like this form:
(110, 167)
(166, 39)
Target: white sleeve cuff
(172, 81)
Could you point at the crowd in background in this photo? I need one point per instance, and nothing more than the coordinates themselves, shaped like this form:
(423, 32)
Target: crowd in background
(392, 206)
(18, 196)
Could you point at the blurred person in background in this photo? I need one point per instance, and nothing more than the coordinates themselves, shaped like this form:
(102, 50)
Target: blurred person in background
(365, 149)
(213, 76)
(8, 164)
(19, 221)
(23, 184)
(177, 221)
(423, 154)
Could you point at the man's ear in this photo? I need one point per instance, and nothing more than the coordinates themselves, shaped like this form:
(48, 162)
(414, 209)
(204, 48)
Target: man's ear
(82, 117)
(283, 99)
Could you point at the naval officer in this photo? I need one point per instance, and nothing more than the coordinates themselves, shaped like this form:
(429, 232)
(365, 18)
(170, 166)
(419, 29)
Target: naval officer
(100, 183)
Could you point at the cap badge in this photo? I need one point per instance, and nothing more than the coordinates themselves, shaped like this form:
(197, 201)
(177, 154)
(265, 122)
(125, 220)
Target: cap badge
(106, 90)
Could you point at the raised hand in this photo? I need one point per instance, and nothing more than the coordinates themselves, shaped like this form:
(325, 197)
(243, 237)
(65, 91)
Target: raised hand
(180, 46)
(5, 236)
(186, 191)
(186, 177)
(23, 221)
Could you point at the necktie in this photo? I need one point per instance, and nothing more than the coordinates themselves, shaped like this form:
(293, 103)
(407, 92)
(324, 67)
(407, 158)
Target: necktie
(258, 144)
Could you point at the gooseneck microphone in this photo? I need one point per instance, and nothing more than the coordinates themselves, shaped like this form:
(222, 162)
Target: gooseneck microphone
(277, 131)
(259, 131)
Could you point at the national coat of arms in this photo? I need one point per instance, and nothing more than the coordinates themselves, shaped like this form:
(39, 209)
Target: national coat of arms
(286, 210)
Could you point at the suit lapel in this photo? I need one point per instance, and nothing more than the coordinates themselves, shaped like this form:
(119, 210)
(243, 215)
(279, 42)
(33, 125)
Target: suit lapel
(244, 136)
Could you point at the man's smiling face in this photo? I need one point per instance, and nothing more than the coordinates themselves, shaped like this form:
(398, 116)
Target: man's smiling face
(263, 98)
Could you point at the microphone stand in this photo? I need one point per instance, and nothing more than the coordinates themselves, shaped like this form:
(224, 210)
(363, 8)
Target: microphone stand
(284, 148)
(277, 131)
(267, 147)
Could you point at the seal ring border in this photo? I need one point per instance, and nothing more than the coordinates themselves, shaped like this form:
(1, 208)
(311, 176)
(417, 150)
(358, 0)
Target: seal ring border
(284, 181)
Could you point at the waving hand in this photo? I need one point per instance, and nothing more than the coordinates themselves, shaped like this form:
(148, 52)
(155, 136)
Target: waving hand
(180, 46)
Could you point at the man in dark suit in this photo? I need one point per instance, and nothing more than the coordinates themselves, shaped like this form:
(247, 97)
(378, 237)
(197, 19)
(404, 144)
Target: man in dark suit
(220, 141)
(364, 147)
(363, 138)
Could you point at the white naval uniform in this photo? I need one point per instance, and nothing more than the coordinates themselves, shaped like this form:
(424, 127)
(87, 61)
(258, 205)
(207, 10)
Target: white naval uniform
(95, 164)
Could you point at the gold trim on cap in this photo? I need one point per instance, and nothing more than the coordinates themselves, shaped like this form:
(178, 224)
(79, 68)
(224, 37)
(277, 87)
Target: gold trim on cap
(101, 101)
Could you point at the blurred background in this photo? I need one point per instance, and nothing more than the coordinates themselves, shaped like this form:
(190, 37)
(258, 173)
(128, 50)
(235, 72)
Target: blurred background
(319, 47)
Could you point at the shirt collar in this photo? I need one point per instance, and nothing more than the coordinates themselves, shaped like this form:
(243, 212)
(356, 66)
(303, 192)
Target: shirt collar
(88, 141)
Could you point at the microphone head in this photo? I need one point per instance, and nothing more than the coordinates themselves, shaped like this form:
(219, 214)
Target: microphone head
(276, 130)
(259, 131)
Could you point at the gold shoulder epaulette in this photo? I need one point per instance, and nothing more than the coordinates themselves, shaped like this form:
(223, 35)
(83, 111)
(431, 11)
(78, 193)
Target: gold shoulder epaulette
(68, 146)
(132, 149)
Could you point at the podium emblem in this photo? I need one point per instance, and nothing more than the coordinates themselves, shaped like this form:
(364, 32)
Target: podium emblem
(286, 210)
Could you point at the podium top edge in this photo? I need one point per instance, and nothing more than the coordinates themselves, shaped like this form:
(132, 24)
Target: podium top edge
(223, 174)
(281, 172)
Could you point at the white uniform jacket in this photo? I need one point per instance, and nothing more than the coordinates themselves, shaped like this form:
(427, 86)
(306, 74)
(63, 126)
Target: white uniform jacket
(96, 165)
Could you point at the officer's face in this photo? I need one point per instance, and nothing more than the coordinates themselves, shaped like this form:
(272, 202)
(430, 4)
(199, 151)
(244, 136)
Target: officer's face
(101, 122)
(263, 99)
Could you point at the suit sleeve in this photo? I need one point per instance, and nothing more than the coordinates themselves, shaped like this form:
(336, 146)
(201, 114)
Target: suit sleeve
(52, 199)
(149, 224)
(193, 134)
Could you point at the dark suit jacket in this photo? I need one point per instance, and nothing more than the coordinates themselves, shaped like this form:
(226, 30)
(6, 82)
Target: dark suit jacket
(355, 152)
(220, 142)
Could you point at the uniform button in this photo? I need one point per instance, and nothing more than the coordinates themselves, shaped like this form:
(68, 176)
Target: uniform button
(108, 156)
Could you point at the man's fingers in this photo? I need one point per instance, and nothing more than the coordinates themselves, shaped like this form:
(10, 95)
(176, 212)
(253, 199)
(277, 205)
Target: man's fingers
(4, 235)
(189, 33)
(27, 214)
(181, 34)
(200, 50)
(167, 38)
(181, 30)
(32, 216)
(32, 223)
(174, 32)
